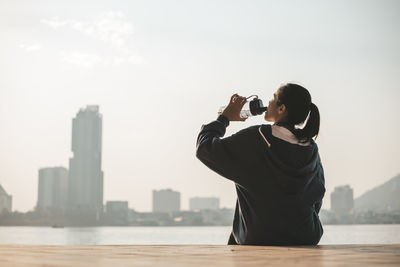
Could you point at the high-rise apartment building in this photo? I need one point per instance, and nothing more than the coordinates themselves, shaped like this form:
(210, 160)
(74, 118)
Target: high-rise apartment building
(342, 201)
(85, 174)
(5, 200)
(52, 189)
(166, 200)
(204, 203)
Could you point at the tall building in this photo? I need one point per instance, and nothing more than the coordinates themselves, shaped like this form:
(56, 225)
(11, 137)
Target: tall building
(166, 200)
(204, 203)
(85, 194)
(52, 189)
(342, 201)
(5, 200)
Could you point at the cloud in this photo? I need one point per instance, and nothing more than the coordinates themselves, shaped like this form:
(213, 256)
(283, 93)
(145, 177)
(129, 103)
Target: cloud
(111, 27)
(30, 47)
(55, 22)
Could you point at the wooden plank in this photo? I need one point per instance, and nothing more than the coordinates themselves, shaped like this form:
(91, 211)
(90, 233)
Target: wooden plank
(194, 255)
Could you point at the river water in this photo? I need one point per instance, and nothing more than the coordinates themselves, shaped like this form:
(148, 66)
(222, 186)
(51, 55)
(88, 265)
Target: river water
(333, 234)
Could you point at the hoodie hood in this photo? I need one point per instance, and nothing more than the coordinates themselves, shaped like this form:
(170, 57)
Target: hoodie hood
(290, 175)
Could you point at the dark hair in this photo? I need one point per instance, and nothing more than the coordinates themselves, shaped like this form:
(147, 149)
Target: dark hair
(298, 104)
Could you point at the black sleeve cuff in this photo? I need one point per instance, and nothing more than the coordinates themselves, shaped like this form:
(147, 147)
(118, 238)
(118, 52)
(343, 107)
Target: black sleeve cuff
(224, 120)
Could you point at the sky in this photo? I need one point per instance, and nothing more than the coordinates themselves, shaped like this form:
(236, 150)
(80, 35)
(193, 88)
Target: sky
(160, 69)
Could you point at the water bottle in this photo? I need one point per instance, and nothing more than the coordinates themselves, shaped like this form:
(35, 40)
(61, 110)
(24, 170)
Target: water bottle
(256, 108)
(244, 114)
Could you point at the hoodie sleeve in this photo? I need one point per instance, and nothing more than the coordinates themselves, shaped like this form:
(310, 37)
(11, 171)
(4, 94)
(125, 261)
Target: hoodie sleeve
(222, 155)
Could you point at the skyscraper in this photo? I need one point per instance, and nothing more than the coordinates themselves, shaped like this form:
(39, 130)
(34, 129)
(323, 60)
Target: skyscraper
(85, 174)
(342, 201)
(52, 189)
(5, 200)
(166, 200)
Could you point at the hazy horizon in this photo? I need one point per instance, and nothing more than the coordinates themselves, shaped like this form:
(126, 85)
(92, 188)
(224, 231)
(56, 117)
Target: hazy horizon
(160, 69)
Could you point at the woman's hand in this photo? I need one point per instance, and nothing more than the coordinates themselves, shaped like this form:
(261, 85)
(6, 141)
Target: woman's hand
(232, 111)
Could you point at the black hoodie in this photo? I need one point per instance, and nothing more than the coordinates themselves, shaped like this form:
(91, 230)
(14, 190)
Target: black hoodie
(279, 184)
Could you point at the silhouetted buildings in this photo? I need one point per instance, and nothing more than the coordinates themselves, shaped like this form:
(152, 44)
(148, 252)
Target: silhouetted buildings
(117, 212)
(52, 189)
(116, 207)
(85, 194)
(342, 201)
(204, 203)
(74, 196)
(5, 201)
(166, 200)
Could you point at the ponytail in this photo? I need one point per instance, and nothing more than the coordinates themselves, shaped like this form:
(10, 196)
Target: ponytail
(311, 128)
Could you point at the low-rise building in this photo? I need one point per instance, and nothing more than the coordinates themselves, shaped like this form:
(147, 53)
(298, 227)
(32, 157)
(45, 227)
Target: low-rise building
(166, 200)
(52, 189)
(342, 201)
(204, 203)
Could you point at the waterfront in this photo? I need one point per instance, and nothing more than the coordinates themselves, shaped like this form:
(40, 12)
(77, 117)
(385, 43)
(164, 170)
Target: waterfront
(333, 234)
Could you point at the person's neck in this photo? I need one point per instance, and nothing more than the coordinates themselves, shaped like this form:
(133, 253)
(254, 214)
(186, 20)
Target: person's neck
(285, 124)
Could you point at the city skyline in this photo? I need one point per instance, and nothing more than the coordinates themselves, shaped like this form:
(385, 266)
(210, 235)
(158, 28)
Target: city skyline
(161, 69)
(82, 139)
(80, 187)
(342, 199)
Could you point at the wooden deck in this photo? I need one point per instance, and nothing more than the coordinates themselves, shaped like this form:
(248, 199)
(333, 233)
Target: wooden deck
(194, 255)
